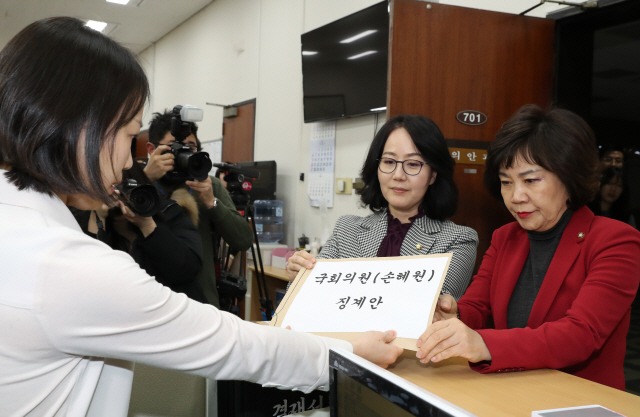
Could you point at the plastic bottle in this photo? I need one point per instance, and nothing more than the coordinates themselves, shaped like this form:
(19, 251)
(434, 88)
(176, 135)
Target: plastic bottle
(315, 245)
(269, 220)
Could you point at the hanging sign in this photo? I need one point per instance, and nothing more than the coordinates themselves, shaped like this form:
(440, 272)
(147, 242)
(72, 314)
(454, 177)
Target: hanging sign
(471, 117)
(469, 156)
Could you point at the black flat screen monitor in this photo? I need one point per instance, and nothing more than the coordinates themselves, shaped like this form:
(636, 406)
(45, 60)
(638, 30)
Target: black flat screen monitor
(360, 388)
(344, 65)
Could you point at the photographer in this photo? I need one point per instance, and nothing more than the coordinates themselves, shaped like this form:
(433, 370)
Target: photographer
(218, 216)
(166, 245)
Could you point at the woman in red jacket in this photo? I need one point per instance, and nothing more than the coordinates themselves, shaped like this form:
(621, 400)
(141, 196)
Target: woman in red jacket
(558, 283)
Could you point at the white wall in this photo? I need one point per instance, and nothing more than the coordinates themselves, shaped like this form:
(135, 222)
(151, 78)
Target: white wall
(212, 57)
(236, 50)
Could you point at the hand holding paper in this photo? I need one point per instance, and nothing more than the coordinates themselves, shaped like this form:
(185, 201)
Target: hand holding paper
(449, 339)
(447, 308)
(375, 347)
(299, 260)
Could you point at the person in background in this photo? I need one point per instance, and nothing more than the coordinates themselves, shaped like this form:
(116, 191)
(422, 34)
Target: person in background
(613, 199)
(71, 102)
(408, 176)
(218, 217)
(611, 156)
(559, 282)
(166, 245)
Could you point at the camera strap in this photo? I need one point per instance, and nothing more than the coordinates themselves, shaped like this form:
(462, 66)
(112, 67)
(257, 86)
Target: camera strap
(100, 235)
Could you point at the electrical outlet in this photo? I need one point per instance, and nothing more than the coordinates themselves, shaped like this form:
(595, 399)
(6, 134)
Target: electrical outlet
(347, 186)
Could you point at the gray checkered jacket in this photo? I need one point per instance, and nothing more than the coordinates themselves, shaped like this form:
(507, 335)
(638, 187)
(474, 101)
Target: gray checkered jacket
(360, 237)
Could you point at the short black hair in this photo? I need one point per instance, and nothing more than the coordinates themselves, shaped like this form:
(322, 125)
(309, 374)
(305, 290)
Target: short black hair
(558, 140)
(160, 124)
(60, 80)
(605, 149)
(441, 199)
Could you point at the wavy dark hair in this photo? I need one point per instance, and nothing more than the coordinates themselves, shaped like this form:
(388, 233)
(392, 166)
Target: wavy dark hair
(441, 199)
(60, 80)
(558, 140)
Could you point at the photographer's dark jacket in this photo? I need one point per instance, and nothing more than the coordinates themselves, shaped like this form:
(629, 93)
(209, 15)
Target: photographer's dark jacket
(222, 221)
(172, 253)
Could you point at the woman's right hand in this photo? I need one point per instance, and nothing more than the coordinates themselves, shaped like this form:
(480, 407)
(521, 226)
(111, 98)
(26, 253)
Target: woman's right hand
(299, 260)
(447, 308)
(146, 224)
(375, 347)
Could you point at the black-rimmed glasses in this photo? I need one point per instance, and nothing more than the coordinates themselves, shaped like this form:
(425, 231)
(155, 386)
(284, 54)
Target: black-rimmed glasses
(409, 166)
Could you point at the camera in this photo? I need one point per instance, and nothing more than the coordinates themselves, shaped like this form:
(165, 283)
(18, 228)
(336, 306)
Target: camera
(137, 193)
(239, 181)
(188, 165)
(142, 199)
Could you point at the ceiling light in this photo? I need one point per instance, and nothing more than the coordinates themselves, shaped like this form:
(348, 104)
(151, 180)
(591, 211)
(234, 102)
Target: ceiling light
(358, 36)
(119, 1)
(95, 25)
(362, 54)
(379, 109)
(309, 52)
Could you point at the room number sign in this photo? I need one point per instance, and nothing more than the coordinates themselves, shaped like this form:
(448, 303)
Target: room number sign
(471, 117)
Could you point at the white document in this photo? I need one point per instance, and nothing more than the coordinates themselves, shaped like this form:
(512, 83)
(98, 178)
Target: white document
(375, 294)
(584, 411)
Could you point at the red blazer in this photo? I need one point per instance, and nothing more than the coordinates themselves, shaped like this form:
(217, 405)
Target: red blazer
(580, 318)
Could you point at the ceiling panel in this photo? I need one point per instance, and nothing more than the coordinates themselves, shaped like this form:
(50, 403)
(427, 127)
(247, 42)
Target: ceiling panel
(137, 25)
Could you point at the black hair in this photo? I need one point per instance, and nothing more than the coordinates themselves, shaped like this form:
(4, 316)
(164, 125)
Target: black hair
(60, 81)
(620, 208)
(558, 140)
(441, 199)
(605, 149)
(160, 124)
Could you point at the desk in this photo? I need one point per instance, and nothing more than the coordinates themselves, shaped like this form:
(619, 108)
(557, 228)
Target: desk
(510, 394)
(276, 278)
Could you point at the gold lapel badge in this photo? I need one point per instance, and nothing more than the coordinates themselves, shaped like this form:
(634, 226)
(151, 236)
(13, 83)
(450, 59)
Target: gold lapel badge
(580, 235)
(418, 246)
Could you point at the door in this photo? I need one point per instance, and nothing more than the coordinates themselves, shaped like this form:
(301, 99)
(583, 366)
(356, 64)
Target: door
(444, 60)
(238, 133)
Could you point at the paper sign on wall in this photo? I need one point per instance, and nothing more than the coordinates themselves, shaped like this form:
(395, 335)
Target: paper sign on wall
(356, 295)
(321, 164)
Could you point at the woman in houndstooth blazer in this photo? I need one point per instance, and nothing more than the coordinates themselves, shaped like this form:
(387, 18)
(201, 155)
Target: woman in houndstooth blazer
(408, 176)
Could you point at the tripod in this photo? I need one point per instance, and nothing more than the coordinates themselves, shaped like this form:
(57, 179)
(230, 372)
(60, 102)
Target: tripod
(238, 181)
(241, 200)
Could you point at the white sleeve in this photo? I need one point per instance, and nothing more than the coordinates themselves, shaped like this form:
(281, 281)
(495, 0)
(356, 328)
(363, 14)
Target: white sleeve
(93, 301)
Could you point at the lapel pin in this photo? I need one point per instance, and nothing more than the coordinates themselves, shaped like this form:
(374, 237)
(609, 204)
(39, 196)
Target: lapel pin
(418, 246)
(580, 235)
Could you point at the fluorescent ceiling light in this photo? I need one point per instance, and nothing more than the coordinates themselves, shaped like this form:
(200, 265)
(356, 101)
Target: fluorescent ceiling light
(379, 109)
(95, 25)
(309, 52)
(118, 1)
(358, 36)
(362, 54)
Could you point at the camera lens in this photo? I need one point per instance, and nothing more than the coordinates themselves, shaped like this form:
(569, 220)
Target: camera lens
(144, 200)
(199, 165)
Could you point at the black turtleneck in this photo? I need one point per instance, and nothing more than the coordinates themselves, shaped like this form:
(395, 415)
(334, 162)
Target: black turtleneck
(542, 247)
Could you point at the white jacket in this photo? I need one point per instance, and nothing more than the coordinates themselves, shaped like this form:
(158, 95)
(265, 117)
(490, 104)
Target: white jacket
(67, 301)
